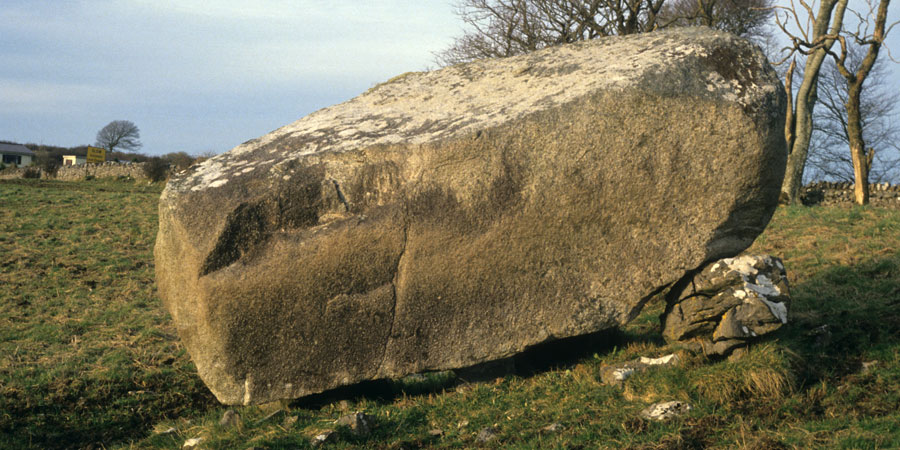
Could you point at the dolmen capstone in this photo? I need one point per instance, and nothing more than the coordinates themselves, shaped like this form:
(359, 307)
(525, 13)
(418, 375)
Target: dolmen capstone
(448, 218)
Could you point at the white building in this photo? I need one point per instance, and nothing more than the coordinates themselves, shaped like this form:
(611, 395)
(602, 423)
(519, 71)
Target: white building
(73, 160)
(15, 154)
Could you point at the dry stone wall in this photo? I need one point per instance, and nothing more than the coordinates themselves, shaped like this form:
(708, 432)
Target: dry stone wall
(82, 171)
(827, 193)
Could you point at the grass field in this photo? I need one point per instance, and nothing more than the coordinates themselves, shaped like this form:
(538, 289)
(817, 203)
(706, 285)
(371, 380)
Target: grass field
(89, 359)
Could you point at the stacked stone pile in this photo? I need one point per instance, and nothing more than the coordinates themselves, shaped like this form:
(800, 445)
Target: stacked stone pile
(828, 193)
(728, 305)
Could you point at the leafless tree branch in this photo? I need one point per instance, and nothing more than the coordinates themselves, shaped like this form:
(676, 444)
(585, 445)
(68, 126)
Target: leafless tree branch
(122, 135)
(501, 28)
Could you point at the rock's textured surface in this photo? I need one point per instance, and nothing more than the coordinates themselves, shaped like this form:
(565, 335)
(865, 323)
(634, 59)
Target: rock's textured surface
(449, 218)
(729, 304)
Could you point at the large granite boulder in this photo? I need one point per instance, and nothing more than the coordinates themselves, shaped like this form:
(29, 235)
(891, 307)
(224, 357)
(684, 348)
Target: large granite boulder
(448, 218)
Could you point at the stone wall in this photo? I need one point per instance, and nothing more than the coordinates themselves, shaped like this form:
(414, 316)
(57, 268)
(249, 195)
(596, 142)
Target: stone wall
(80, 172)
(827, 193)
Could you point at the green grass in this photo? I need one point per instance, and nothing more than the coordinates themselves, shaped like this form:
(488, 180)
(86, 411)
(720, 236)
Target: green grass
(88, 355)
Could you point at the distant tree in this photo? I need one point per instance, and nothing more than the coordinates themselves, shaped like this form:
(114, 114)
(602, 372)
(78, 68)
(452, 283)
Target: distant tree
(828, 155)
(50, 167)
(814, 41)
(122, 135)
(134, 157)
(855, 76)
(871, 28)
(46, 156)
(43, 156)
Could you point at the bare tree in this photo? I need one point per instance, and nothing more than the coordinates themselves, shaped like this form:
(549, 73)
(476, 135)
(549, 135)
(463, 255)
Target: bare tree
(501, 28)
(122, 135)
(814, 36)
(855, 77)
(745, 18)
(828, 155)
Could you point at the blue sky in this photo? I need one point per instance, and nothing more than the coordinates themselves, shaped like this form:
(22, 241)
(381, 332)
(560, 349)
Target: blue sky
(205, 75)
(197, 75)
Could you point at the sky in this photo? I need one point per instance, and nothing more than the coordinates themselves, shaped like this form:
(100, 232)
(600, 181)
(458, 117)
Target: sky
(200, 76)
(206, 75)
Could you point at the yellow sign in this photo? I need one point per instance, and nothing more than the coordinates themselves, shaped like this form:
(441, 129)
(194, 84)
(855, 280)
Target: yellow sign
(96, 155)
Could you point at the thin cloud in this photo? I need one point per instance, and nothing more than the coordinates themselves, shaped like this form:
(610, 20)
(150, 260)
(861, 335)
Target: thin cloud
(50, 97)
(231, 69)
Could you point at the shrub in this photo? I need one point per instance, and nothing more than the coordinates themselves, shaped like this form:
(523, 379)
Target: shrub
(50, 168)
(32, 172)
(156, 169)
(180, 160)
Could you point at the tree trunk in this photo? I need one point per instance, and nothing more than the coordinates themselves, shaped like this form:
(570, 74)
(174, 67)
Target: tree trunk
(862, 161)
(806, 98)
(857, 145)
(861, 176)
(802, 129)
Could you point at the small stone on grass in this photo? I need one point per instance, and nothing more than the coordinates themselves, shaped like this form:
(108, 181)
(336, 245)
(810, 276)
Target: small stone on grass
(360, 423)
(486, 435)
(664, 411)
(553, 428)
(289, 421)
(230, 419)
(191, 443)
(324, 438)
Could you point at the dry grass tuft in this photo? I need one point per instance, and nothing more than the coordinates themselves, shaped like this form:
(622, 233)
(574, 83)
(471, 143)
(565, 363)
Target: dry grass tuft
(766, 372)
